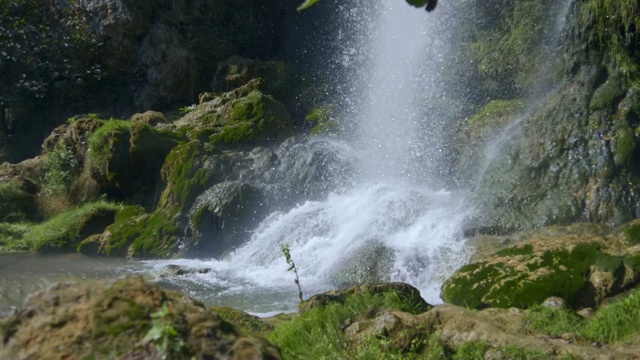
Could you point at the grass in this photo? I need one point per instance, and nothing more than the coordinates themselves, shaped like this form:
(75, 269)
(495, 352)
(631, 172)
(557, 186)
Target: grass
(61, 231)
(613, 323)
(318, 333)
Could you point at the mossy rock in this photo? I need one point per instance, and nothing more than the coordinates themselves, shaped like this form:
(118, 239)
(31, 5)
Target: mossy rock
(118, 319)
(369, 264)
(223, 216)
(607, 96)
(109, 156)
(409, 294)
(253, 118)
(66, 231)
(184, 176)
(243, 321)
(623, 146)
(140, 235)
(17, 203)
(322, 121)
(581, 269)
(236, 71)
(152, 118)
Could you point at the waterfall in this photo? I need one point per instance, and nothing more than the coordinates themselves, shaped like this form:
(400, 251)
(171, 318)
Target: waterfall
(396, 221)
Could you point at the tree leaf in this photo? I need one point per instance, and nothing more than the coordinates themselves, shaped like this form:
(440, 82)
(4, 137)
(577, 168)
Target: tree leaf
(307, 4)
(417, 3)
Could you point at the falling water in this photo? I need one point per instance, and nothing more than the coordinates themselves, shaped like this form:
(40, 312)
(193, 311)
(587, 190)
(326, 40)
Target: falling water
(396, 223)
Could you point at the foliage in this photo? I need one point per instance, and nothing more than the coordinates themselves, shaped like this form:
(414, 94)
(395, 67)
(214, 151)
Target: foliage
(12, 237)
(61, 166)
(318, 332)
(17, 205)
(164, 335)
(43, 47)
(429, 5)
(553, 322)
(614, 31)
(286, 251)
(615, 322)
(307, 4)
(64, 231)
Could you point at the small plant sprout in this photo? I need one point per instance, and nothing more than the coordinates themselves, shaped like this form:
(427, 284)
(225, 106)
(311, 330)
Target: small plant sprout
(164, 335)
(286, 251)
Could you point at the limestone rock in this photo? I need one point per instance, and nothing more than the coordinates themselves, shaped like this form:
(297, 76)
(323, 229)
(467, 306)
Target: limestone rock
(109, 319)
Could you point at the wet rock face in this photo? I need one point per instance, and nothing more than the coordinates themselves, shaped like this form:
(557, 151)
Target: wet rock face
(108, 319)
(164, 50)
(583, 268)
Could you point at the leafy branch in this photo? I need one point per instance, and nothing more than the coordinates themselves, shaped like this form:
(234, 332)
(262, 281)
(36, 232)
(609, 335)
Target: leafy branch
(286, 251)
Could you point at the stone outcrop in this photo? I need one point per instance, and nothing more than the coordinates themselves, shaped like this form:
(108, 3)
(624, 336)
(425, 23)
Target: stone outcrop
(126, 319)
(576, 263)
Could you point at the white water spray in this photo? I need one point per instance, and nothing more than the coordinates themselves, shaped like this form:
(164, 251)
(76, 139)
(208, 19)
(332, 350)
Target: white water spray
(394, 224)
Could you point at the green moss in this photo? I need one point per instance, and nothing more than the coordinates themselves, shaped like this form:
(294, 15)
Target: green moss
(564, 274)
(607, 95)
(496, 110)
(157, 237)
(609, 23)
(17, 205)
(124, 230)
(244, 321)
(474, 281)
(237, 133)
(507, 51)
(105, 139)
(473, 350)
(65, 231)
(516, 250)
(138, 234)
(184, 177)
(625, 145)
(632, 231)
(322, 120)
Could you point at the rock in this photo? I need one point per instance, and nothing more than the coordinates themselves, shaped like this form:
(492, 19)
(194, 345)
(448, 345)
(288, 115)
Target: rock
(406, 292)
(580, 268)
(175, 270)
(371, 263)
(279, 78)
(554, 303)
(152, 118)
(106, 319)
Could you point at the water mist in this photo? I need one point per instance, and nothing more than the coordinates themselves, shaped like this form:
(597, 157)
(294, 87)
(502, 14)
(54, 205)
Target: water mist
(396, 221)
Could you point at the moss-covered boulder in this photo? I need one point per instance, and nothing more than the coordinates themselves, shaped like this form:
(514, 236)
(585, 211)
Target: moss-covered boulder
(408, 294)
(66, 231)
(581, 268)
(369, 264)
(126, 157)
(242, 116)
(150, 117)
(279, 78)
(126, 318)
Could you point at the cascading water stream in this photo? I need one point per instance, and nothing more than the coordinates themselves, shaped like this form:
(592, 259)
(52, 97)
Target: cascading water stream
(395, 223)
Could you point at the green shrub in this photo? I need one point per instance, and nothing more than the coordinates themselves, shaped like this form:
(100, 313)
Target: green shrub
(61, 167)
